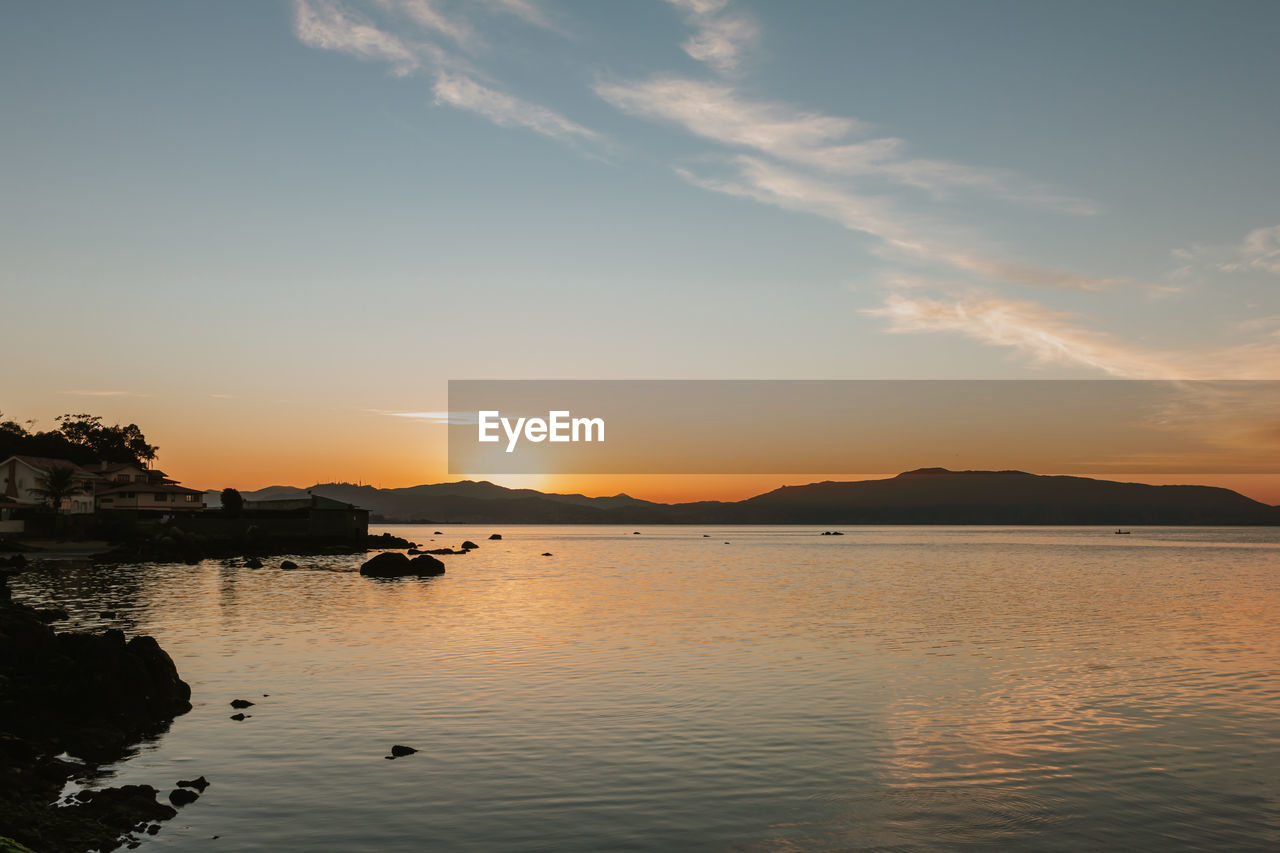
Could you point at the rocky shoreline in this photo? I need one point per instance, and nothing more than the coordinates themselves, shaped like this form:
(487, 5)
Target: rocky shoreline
(69, 703)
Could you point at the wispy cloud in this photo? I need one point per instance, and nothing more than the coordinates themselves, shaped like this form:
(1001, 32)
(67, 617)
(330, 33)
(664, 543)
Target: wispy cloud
(505, 110)
(464, 418)
(326, 25)
(901, 234)
(1051, 337)
(1259, 251)
(429, 15)
(717, 112)
(721, 35)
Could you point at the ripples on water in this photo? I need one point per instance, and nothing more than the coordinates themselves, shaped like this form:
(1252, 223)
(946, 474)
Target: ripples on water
(893, 688)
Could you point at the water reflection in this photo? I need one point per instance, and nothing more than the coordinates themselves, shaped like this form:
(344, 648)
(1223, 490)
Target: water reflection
(895, 687)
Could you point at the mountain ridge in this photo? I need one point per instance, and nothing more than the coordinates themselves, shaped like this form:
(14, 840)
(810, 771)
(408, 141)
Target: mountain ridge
(920, 496)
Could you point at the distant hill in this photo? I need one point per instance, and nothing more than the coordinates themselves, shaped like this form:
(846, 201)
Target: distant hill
(924, 496)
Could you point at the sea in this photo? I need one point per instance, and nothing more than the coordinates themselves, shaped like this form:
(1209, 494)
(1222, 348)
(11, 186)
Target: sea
(659, 688)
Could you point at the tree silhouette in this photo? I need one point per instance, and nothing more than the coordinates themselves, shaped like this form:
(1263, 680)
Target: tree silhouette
(232, 502)
(59, 484)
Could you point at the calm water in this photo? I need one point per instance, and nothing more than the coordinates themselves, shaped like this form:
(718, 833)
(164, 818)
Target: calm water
(893, 688)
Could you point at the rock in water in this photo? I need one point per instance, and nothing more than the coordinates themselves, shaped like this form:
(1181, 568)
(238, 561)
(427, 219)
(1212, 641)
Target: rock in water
(288, 564)
(239, 717)
(391, 565)
(468, 545)
(495, 535)
(401, 751)
(181, 797)
(426, 565)
(199, 784)
(241, 703)
(546, 553)
(386, 565)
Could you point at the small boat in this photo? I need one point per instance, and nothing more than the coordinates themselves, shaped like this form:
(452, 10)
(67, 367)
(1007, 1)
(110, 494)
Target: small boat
(1123, 532)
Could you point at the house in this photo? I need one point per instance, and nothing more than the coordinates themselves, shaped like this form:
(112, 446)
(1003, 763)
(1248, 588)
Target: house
(314, 516)
(23, 475)
(9, 522)
(127, 485)
(166, 497)
(105, 486)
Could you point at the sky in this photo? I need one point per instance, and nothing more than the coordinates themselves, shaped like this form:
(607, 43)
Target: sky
(270, 232)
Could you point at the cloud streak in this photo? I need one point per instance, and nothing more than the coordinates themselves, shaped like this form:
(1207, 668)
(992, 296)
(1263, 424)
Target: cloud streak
(721, 36)
(901, 235)
(1259, 251)
(505, 110)
(325, 25)
(1051, 337)
(717, 112)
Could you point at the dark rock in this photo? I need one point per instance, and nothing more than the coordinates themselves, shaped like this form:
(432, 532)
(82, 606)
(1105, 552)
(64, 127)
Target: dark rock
(546, 553)
(239, 717)
(386, 565)
(413, 551)
(468, 545)
(495, 535)
(181, 797)
(288, 564)
(635, 533)
(252, 563)
(437, 533)
(399, 751)
(393, 565)
(386, 540)
(52, 614)
(426, 565)
(153, 829)
(241, 703)
(444, 551)
(199, 783)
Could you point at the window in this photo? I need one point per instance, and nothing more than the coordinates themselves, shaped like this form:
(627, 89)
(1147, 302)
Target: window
(161, 497)
(191, 498)
(122, 478)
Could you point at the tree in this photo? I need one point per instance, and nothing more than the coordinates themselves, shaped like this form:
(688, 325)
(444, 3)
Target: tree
(110, 443)
(59, 484)
(232, 502)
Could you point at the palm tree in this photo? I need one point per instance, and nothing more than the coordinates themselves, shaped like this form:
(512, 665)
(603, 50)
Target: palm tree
(59, 484)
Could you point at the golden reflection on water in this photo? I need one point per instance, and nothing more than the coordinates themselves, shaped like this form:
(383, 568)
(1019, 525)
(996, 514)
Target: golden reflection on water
(915, 687)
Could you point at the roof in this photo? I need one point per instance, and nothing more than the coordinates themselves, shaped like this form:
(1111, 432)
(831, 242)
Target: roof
(153, 488)
(44, 463)
(112, 467)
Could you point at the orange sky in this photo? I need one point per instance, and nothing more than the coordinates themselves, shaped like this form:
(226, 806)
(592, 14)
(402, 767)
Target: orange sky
(208, 443)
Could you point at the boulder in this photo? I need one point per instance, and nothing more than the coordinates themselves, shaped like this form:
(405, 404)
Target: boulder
(401, 751)
(426, 565)
(388, 564)
(199, 783)
(495, 535)
(392, 565)
(181, 797)
(241, 703)
(288, 564)
(468, 545)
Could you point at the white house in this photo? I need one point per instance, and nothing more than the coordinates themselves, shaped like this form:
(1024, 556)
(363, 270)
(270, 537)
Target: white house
(22, 475)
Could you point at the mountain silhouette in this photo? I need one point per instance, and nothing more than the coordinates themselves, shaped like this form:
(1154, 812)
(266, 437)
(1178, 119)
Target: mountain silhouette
(923, 496)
